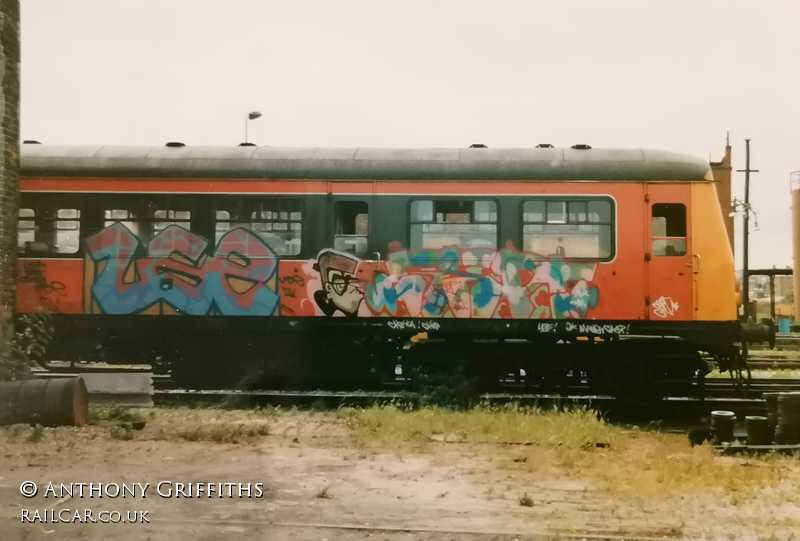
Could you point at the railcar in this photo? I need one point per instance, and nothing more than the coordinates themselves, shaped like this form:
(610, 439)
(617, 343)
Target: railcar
(322, 266)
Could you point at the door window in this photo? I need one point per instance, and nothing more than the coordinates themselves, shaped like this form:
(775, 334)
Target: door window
(352, 227)
(668, 229)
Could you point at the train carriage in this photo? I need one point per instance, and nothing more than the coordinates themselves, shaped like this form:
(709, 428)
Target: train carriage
(341, 266)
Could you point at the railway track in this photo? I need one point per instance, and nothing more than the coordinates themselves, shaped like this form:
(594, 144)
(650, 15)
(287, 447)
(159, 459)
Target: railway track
(684, 408)
(681, 401)
(713, 387)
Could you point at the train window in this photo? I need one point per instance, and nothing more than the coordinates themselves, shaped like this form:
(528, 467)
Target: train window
(352, 227)
(571, 228)
(164, 217)
(48, 231)
(130, 218)
(436, 224)
(668, 229)
(278, 222)
(26, 229)
(68, 229)
(556, 212)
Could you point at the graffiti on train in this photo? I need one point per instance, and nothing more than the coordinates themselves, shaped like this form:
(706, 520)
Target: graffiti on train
(448, 282)
(182, 271)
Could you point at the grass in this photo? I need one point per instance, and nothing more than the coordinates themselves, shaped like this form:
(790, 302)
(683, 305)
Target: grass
(529, 443)
(121, 433)
(221, 432)
(577, 428)
(187, 424)
(759, 373)
(36, 435)
(578, 444)
(114, 413)
(217, 426)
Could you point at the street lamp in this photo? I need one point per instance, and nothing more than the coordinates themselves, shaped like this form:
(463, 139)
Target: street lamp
(252, 115)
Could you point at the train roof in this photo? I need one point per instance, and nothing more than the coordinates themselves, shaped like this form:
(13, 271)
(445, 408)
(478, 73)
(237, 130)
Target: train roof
(255, 162)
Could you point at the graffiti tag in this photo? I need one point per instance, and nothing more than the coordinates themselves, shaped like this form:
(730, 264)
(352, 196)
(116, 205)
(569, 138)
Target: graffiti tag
(596, 329)
(665, 307)
(465, 283)
(184, 271)
(33, 273)
(410, 324)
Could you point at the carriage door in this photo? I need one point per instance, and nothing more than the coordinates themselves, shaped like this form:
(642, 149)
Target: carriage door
(668, 253)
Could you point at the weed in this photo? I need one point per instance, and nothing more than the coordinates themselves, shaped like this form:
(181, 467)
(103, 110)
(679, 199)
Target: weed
(37, 434)
(319, 404)
(118, 414)
(220, 432)
(325, 494)
(576, 443)
(525, 500)
(13, 432)
(119, 432)
(502, 424)
(27, 346)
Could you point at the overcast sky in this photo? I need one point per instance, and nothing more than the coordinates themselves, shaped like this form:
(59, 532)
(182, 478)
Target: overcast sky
(621, 73)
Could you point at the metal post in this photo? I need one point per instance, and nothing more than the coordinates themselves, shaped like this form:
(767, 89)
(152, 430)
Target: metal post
(746, 252)
(772, 296)
(746, 232)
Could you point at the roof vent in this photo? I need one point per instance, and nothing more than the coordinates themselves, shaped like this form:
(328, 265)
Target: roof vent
(544, 145)
(247, 144)
(478, 145)
(582, 147)
(176, 144)
(31, 142)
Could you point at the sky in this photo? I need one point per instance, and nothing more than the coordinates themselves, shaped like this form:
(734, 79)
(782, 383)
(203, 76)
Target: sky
(672, 75)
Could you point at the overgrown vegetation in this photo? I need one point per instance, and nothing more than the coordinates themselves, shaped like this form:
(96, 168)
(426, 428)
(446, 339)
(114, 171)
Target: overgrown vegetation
(36, 435)
(760, 373)
(220, 432)
(32, 335)
(574, 444)
(218, 426)
(573, 428)
(120, 432)
(114, 413)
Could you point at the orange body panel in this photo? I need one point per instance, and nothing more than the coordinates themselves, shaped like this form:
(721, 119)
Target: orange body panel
(50, 285)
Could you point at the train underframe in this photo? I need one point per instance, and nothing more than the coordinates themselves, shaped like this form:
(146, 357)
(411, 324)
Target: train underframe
(644, 358)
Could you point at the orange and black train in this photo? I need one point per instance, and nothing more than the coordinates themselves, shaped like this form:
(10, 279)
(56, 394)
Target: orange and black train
(293, 265)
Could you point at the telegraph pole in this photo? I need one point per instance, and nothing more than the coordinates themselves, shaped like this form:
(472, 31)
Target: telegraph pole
(746, 233)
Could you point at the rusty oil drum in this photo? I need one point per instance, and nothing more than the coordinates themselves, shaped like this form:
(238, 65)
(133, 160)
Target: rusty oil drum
(49, 402)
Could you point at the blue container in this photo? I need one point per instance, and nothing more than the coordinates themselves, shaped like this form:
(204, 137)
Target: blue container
(784, 325)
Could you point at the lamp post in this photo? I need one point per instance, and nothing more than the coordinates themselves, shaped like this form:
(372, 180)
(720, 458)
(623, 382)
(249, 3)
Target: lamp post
(252, 115)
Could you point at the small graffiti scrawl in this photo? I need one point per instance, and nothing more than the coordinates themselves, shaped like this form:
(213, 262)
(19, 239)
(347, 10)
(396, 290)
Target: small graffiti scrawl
(665, 307)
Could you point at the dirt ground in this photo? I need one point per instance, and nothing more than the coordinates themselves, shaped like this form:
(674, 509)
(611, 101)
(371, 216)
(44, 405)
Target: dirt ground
(320, 482)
